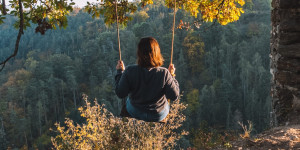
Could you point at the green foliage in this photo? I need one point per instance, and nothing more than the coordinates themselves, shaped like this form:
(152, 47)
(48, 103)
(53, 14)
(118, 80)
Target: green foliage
(139, 29)
(194, 50)
(2, 18)
(143, 3)
(193, 100)
(46, 14)
(44, 141)
(2, 13)
(209, 138)
(108, 9)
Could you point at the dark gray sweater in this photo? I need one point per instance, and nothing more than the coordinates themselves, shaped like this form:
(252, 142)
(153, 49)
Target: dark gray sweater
(148, 89)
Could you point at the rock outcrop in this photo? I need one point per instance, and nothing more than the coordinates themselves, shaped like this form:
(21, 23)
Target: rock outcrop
(285, 61)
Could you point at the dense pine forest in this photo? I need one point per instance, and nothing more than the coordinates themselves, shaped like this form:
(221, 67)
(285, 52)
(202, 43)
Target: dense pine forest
(223, 71)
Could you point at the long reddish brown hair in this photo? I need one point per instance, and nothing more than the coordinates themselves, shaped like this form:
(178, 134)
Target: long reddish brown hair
(148, 53)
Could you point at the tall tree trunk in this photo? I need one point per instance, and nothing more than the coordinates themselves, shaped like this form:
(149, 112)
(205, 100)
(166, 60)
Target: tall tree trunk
(55, 111)
(62, 94)
(45, 114)
(24, 101)
(74, 98)
(2, 127)
(26, 141)
(40, 119)
(228, 117)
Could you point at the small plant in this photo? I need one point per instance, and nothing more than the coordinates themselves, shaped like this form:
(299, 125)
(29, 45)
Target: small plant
(209, 138)
(103, 130)
(257, 139)
(247, 129)
(228, 145)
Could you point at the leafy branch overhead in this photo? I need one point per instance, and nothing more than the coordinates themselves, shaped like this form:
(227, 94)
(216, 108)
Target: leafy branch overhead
(224, 11)
(48, 14)
(107, 8)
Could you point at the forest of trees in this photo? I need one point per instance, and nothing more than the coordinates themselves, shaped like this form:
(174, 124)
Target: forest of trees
(223, 71)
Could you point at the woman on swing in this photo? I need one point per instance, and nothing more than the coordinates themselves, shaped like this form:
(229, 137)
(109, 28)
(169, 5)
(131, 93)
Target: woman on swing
(148, 85)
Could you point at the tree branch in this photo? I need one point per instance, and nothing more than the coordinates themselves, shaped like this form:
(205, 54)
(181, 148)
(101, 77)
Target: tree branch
(21, 26)
(214, 23)
(3, 8)
(196, 23)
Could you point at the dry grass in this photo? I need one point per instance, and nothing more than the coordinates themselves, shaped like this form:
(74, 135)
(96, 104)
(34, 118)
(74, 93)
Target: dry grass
(247, 129)
(103, 130)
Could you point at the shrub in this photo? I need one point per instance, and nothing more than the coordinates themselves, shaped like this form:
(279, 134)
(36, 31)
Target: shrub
(103, 130)
(210, 138)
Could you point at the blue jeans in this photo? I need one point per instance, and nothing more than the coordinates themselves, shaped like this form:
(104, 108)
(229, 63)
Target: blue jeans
(141, 115)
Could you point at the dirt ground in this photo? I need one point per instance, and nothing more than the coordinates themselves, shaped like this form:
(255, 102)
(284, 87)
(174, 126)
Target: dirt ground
(279, 138)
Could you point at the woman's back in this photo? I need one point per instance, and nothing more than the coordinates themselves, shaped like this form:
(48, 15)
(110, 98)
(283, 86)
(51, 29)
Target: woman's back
(148, 89)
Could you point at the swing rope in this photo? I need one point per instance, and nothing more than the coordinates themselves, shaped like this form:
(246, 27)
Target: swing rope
(120, 58)
(118, 32)
(173, 34)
